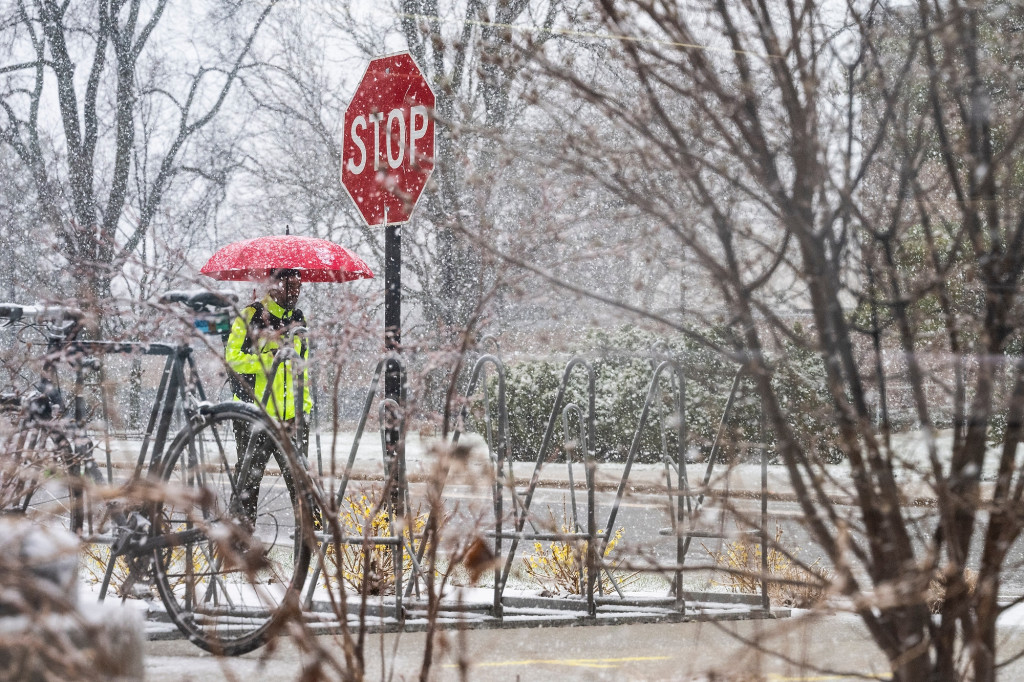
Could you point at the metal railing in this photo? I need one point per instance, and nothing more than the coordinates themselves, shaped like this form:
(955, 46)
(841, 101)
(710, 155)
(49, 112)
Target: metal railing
(665, 404)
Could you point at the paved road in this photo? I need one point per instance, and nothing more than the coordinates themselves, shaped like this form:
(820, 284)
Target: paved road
(643, 515)
(805, 648)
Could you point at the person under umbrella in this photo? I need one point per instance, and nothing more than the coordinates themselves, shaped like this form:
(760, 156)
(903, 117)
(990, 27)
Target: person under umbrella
(256, 336)
(258, 333)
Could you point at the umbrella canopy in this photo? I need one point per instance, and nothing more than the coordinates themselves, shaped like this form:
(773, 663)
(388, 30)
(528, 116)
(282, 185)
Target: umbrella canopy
(317, 260)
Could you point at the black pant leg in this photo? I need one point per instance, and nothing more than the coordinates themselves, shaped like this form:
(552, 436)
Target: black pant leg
(258, 448)
(262, 449)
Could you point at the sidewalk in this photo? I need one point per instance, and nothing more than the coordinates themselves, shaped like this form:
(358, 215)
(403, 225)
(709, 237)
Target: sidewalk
(811, 646)
(471, 465)
(741, 480)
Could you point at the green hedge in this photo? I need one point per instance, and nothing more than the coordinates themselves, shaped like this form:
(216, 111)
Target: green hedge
(623, 368)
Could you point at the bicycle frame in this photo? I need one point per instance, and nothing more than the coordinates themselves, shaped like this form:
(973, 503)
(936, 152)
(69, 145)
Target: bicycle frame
(174, 385)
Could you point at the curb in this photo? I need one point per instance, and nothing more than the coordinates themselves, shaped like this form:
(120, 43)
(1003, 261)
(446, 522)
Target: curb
(657, 488)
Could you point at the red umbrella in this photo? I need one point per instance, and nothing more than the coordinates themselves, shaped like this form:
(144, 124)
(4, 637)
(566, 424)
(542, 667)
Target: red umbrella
(317, 260)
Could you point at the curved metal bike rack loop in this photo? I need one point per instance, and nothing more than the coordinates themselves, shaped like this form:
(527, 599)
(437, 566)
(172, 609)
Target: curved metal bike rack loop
(497, 449)
(395, 482)
(521, 517)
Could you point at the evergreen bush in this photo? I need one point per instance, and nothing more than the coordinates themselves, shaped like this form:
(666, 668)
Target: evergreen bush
(624, 361)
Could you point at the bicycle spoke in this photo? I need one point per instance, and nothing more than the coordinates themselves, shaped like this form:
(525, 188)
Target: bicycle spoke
(222, 601)
(37, 478)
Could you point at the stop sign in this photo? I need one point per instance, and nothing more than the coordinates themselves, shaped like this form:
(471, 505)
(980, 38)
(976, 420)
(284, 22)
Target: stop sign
(388, 151)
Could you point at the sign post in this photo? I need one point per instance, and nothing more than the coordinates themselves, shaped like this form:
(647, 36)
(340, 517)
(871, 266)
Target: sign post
(393, 308)
(386, 159)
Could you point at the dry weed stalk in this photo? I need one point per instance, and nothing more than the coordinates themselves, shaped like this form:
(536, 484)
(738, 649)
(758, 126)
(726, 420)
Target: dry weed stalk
(789, 583)
(938, 589)
(360, 517)
(559, 566)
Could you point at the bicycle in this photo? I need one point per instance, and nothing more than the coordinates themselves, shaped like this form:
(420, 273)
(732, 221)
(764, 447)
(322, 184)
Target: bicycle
(46, 434)
(227, 577)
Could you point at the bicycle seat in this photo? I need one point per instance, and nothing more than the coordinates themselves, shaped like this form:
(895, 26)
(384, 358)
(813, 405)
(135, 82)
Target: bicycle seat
(201, 300)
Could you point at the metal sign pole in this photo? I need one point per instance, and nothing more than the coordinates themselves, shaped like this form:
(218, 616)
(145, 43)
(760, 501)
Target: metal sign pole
(393, 390)
(393, 379)
(392, 307)
(392, 104)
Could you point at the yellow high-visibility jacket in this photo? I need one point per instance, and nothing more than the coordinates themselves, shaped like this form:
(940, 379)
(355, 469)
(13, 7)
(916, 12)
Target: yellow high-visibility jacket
(255, 336)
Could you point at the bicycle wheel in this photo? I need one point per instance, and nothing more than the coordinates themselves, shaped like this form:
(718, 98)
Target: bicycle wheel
(224, 597)
(39, 479)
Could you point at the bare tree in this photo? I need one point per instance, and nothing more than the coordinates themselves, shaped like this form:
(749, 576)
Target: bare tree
(104, 129)
(466, 56)
(844, 180)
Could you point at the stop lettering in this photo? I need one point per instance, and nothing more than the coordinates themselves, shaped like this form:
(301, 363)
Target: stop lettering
(393, 132)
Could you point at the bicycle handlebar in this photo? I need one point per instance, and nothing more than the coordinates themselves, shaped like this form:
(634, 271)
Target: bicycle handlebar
(199, 300)
(15, 312)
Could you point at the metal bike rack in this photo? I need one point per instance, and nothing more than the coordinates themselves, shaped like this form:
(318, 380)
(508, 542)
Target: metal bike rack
(682, 487)
(521, 510)
(497, 450)
(665, 404)
(396, 489)
(684, 502)
(693, 507)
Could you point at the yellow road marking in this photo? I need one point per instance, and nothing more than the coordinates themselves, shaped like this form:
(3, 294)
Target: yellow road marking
(573, 662)
(827, 678)
(616, 662)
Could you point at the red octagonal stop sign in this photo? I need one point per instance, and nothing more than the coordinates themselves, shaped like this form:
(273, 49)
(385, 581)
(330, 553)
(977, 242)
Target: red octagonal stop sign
(388, 152)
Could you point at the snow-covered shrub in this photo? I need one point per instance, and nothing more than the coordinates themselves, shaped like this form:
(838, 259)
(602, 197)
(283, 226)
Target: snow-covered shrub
(623, 367)
(801, 389)
(624, 361)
